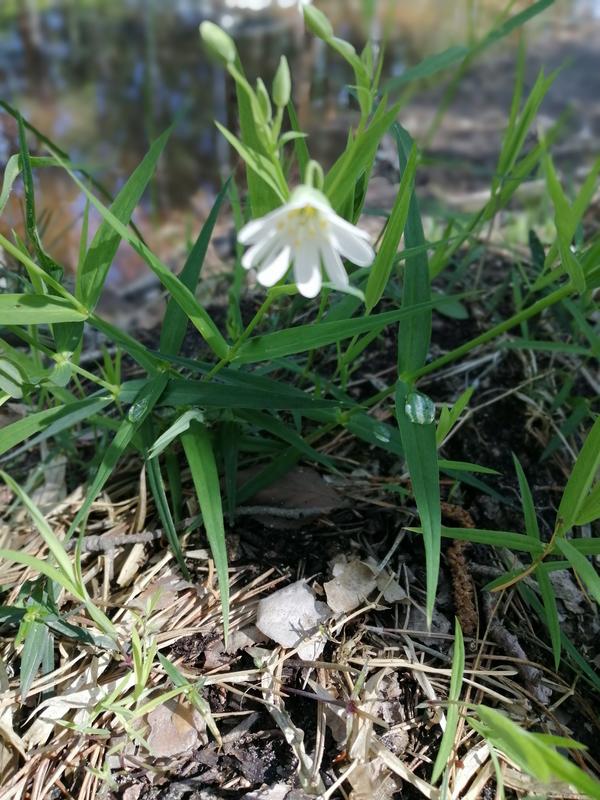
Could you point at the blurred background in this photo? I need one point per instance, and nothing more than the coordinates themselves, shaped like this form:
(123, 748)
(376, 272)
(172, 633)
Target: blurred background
(102, 78)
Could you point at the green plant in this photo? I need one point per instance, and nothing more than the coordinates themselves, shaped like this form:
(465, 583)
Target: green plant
(265, 378)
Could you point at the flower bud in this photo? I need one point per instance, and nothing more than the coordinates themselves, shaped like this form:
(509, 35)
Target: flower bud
(263, 99)
(217, 42)
(282, 84)
(317, 22)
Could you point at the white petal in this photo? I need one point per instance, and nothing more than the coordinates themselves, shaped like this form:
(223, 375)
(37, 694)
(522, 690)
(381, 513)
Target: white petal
(254, 230)
(339, 223)
(307, 271)
(259, 252)
(334, 267)
(352, 247)
(276, 269)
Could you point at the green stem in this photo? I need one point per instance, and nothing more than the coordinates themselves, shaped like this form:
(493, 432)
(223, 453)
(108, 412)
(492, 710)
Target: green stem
(272, 295)
(114, 390)
(36, 271)
(458, 352)
(497, 330)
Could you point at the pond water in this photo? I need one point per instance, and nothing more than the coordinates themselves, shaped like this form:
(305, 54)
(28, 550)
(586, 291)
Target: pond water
(103, 78)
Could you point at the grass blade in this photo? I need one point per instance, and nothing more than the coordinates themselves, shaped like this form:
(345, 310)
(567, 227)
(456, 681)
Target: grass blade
(33, 654)
(157, 487)
(139, 410)
(181, 294)
(582, 567)
(531, 523)
(580, 481)
(453, 710)
(201, 458)
(175, 321)
(301, 338)
(384, 260)
(102, 250)
(358, 156)
(550, 613)
(420, 448)
(415, 333)
(37, 309)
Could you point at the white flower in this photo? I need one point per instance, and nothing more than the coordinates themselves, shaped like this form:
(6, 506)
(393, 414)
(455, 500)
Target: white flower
(307, 233)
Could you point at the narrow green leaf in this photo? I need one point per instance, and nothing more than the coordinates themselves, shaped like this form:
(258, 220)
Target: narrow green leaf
(580, 481)
(518, 126)
(139, 410)
(440, 61)
(358, 156)
(102, 250)
(582, 567)
(229, 446)
(301, 338)
(450, 416)
(588, 547)
(37, 309)
(200, 456)
(258, 165)
(11, 173)
(381, 269)
(181, 424)
(235, 324)
(580, 205)
(532, 752)
(177, 679)
(414, 334)
(263, 196)
(203, 393)
(544, 346)
(49, 422)
(175, 322)
(284, 432)
(428, 66)
(550, 613)
(157, 487)
(300, 146)
(182, 295)
(418, 442)
(41, 567)
(453, 711)
(531, 523)
(590, 510)
(49, 265)
(33, 653)
(509, 539)
(51, 540)
(565, 226)
(138, 352)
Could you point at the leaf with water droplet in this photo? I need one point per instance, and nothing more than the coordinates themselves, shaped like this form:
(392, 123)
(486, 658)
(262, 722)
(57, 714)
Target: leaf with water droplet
(419, 408)
(137, 410)
(382, 433)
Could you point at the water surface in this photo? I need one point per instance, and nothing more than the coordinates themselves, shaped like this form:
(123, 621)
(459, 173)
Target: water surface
(104, 78)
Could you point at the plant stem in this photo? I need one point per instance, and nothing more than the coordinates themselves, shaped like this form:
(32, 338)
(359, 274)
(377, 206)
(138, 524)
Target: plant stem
(272, 295)
(497, 330)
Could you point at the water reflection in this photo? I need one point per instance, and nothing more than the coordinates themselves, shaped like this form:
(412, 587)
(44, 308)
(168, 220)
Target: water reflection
(103, 78)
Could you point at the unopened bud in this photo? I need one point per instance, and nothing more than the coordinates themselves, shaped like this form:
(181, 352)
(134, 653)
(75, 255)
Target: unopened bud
(317, 22)
(217, 42)
(263, 98)
(282, 84)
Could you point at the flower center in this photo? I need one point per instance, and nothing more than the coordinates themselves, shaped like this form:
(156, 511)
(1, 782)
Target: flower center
(303, 223)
